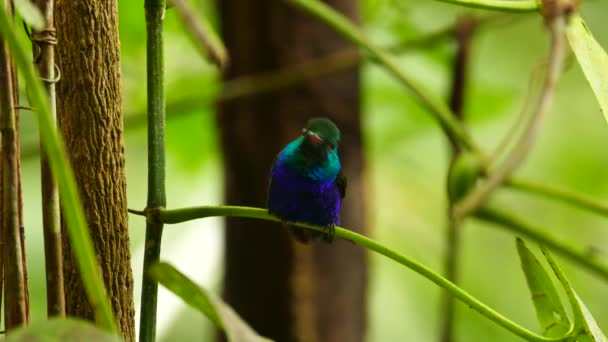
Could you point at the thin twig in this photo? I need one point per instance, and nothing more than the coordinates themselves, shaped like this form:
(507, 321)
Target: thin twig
(570, 197)
(266, 82)
(16, 304)
(527, 229)
(193, 213)
(554, 68)
(208, 42)
(435, 106)
(518, 123)
(498, 5)
(44, 56)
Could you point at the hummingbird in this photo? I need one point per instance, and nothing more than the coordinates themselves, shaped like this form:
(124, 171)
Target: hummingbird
(306, 182)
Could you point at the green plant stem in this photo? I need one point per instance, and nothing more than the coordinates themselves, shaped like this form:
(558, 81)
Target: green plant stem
(193, 213)
(499, 5)
(200, 29)
(73, 213)
(573, 198)
(554, 68)
(437, 108)
(155, 13)
(522, 226)
(464, 32)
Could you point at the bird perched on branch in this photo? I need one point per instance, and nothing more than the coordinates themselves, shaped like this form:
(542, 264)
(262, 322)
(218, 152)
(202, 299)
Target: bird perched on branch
(306, 182)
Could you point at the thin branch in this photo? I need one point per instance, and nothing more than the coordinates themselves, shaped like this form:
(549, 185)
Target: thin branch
(155, 13)
(437, 108)
(266, 82)
(498, 5)
(573, 198)
(193, 213)
(519, 122)
(44, 56)
(464, 33)
(521, 226)
(208, 41)
(16, 305)
(554, 68)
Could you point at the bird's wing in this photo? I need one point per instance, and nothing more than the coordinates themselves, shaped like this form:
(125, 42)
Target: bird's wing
(341, 183)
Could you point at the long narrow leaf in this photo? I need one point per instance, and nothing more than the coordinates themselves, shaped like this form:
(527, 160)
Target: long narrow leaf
(30, 13)
(585, 326)
(78, 232)
(591, 57)
(218, 312)
(61, 330)
(549, 309)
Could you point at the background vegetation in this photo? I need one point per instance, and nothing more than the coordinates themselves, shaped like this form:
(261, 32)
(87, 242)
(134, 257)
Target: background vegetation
(407, 160)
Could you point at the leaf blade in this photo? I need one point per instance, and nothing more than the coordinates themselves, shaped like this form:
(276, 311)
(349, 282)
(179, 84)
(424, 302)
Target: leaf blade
(218, 312)
(585, 326)
(550, 312)
(60, 330)
(591, 57)
(30, 14)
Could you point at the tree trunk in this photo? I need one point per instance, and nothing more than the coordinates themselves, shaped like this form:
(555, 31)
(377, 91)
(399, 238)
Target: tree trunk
(90, 117)
(288, 291)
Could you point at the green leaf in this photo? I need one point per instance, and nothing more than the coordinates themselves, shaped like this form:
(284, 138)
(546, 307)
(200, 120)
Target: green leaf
(591, 57)
(30, 14)
(549, 309)
(585, 326)
(77, 229)
(463, 175)
(218, 312)
(61, 330)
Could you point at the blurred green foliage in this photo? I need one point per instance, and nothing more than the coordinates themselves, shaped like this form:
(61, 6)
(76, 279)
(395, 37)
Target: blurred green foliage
(406, 169)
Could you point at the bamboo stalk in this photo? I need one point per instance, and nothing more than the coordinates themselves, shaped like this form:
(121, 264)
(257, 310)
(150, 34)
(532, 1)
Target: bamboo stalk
(15, 304)
(44, 57)
(155, 11)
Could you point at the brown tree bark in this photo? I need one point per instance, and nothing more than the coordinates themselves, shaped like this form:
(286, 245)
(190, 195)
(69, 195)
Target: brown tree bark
(288, 291)
(12, 242)
(90, 117)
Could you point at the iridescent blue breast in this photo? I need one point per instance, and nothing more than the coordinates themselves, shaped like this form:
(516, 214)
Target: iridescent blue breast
(325, 171)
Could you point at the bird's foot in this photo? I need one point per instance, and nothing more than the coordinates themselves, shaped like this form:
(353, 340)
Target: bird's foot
(329, 232)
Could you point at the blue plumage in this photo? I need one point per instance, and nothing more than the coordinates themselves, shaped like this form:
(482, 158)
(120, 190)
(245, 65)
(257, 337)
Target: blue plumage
(306, 183)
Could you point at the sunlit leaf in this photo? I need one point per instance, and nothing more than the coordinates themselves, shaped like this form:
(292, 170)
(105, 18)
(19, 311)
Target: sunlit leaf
(591, 57)
(61, 330)
(586, 327)
(549, 309)
(218, 312)
(30, 14)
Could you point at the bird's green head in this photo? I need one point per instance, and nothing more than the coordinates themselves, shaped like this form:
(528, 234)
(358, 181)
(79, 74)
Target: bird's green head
(321, 132)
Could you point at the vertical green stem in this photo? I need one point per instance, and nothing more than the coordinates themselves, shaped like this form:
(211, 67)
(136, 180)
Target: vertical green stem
(44, 53)
(463, 32)
(15, 303)
(155, 12)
